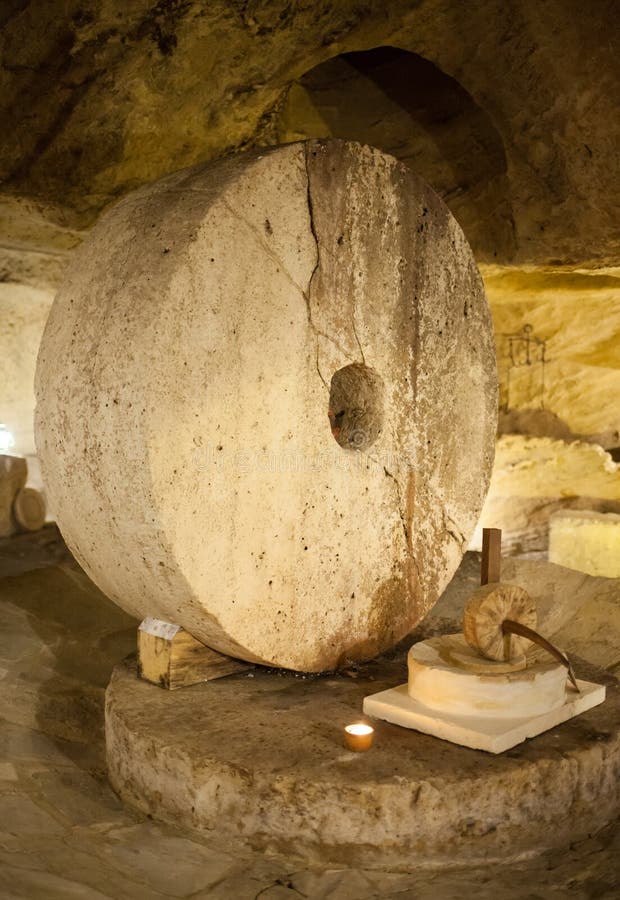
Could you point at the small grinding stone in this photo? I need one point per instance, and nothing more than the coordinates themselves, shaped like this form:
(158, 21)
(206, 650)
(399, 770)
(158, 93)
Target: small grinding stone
(533, 691)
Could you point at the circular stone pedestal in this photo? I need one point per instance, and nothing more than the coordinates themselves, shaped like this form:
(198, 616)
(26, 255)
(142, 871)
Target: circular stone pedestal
(261, 757)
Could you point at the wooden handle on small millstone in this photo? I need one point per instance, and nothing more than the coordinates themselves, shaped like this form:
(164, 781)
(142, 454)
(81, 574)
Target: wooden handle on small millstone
(491, 562)
(511, 627)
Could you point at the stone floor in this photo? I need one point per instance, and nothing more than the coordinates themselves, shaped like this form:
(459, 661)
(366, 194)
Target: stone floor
(65, 835)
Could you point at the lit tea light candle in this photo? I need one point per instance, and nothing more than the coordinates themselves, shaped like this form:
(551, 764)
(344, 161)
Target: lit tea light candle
(358, 737)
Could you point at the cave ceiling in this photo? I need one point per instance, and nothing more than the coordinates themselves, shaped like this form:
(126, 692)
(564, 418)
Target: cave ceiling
(509, 109)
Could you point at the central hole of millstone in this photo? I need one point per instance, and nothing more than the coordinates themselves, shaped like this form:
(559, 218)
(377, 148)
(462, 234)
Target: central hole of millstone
(356, 406)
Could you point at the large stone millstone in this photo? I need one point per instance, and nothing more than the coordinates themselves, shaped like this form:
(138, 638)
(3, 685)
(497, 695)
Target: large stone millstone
(184, 402)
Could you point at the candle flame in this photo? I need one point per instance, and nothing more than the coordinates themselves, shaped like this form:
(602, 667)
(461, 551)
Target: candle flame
(359, 728)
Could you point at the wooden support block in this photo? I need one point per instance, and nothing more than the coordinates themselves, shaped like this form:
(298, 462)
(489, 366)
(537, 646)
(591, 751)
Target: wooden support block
(491, 555)
(13, 476)
(169, 656)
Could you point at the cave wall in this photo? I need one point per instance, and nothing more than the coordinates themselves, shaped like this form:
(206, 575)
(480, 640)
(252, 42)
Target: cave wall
(535, 477)
(23, 313)
(99, 97)
(407, 106)
(569, 387)
(508, 108)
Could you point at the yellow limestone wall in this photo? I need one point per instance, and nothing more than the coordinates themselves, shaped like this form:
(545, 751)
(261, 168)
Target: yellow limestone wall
(555, 419)
(23, 313)
(577, 314)
(534, 478)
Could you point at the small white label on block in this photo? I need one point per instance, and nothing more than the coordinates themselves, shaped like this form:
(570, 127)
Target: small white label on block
(159, 628)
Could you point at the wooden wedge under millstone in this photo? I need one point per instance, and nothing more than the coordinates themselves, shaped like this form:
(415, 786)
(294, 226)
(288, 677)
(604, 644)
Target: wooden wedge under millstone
(170, 657)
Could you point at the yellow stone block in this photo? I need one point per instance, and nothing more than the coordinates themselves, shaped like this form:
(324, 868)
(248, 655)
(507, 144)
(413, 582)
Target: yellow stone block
(587, 541)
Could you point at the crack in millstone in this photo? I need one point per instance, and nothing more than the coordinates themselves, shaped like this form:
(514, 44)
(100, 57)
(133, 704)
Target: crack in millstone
(403, 519)
(402, 516)
(306, 294)
(454, 531)
(283, 268)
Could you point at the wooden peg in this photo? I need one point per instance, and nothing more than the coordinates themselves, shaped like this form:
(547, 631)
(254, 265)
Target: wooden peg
(490, 571)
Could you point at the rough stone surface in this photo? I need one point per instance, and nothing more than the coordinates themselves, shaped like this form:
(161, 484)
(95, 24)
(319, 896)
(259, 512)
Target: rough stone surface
(577, 315)
(65, 834)
(183, 398)
(263, 757)
(141, 90)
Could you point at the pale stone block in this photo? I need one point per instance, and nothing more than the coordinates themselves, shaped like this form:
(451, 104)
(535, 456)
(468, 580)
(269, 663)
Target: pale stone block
(480, 732)
(587, 541)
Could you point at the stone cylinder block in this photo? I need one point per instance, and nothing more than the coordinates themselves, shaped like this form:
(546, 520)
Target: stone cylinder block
(586, 540)
(266, 403)
(13, 477)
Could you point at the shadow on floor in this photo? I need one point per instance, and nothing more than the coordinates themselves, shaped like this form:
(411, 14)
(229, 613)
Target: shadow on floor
(61, 639)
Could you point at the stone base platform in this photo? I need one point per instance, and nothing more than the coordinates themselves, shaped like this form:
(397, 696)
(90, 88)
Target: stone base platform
(260, 757)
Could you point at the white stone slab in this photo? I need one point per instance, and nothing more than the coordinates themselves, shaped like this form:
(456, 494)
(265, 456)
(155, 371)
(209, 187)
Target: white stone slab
(490, 734)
